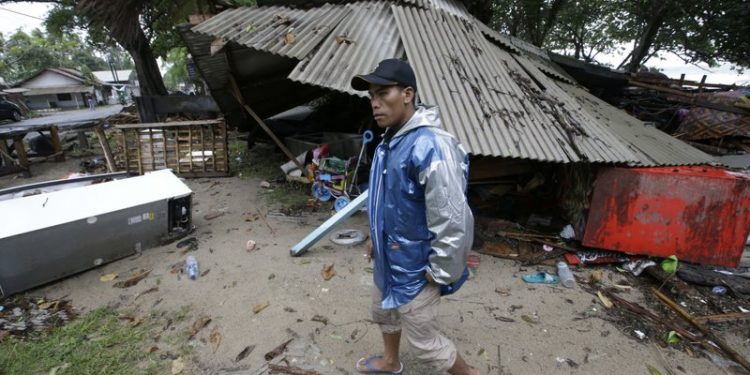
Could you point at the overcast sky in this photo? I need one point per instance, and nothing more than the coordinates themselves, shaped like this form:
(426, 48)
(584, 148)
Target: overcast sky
(671, 65)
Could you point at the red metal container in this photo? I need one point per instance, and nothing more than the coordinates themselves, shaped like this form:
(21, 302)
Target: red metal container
(700, 214)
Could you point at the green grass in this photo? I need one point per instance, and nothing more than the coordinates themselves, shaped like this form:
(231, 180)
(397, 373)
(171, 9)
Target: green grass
(96, 343)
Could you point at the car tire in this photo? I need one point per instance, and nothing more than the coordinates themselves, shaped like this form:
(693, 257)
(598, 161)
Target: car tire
(15, 116)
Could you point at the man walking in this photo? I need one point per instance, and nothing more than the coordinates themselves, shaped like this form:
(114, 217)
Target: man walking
(421, 225)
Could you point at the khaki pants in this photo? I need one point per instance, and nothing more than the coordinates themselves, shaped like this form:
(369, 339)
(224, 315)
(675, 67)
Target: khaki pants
(419, 321)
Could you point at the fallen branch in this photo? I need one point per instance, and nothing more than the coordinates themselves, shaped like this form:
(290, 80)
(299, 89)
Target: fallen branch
(729, 317)
(707, 332)
(640, 311)
(290, 370)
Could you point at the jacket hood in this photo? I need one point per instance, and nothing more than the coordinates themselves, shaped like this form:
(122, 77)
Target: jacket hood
(423, 116)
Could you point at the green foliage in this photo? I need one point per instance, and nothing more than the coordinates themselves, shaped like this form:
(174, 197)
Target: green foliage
(706, 31)
(177, 73)
(22, 55)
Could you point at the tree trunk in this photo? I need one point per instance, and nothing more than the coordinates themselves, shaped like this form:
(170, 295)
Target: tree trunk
(647, 38)
(550, 20)
(149, 76)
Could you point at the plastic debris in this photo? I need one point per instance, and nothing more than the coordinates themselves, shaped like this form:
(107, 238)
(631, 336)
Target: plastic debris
(636, 267)
(639, 334)
(568, 233)
(669, 265)
(348, 237)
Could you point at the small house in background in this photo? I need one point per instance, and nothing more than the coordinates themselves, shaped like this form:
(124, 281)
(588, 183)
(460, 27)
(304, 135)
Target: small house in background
(63, 88)
(117, 84)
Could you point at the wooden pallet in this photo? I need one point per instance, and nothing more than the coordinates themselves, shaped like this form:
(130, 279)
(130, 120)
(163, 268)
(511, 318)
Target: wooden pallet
(189, 148)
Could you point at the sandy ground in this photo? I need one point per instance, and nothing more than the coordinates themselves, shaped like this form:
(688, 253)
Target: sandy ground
(560, 323)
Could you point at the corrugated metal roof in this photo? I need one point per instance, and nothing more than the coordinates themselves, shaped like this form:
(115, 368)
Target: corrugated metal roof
(497, 101)
(352, 48)
(475, 84)
(278, 30)
(214, 69)
(652, 146)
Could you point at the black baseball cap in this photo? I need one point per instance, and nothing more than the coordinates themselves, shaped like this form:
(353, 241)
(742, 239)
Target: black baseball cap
(388, 73)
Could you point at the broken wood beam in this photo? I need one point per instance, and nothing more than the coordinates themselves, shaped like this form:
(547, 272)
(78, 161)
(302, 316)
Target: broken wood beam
(290, 370)
(737, 357)
(105, 148)
(721, 318)
(238, 96)
(54, 135)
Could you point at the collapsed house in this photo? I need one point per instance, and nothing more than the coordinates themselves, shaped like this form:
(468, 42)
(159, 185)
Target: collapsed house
(514, 109)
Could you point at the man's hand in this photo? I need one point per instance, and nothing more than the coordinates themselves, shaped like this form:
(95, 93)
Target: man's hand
(368, 255)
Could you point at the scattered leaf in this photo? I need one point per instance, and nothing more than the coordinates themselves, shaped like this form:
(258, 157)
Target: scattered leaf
(108, 277)
(49, 305)
(652, 370)
(250, 28)
(204, 273)
(136, 322)
(199, 325)
(596, 276)
(177, 366)
(276, 351)
(134, 279)
(673, 337)
(244, 353)
(259, 307)
(213, 215)
(529, 319)
(153, 349)
(502, 291)
(505, 319)
(290, 38)
(353, 336)
(147, 291)
(343, 39)
(368, 269)
(215, 338)
(328, 272)
(320, 318)
(605, 301)
(289, 309)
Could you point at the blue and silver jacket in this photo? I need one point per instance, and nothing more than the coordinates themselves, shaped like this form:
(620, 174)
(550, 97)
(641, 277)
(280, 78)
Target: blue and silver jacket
(420, 220)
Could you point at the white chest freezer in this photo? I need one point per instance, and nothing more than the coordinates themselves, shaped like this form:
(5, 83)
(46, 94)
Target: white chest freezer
(51, 235)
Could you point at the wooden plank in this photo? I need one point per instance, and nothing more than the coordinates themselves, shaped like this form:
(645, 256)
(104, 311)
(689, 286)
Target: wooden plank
(729, 317)
(124, 148)
(203, 149)
(190, 150)
(83, 140)
(105, 147)
(167, 124)
(5, 153)
(23, 160)
(238, 96)
(54, 136)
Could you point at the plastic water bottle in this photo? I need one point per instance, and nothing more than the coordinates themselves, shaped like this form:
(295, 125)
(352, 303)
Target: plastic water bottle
(191, 267)
(565, 275)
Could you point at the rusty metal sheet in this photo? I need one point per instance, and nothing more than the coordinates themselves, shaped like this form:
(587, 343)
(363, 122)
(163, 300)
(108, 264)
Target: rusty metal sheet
(699, 214)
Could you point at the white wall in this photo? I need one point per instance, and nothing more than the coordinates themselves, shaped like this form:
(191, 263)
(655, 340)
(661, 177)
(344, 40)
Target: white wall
(50, 79)
(45, 101)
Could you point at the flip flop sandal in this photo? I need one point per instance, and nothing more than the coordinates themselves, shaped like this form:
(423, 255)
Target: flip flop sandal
(370, 369)
(540, 278)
